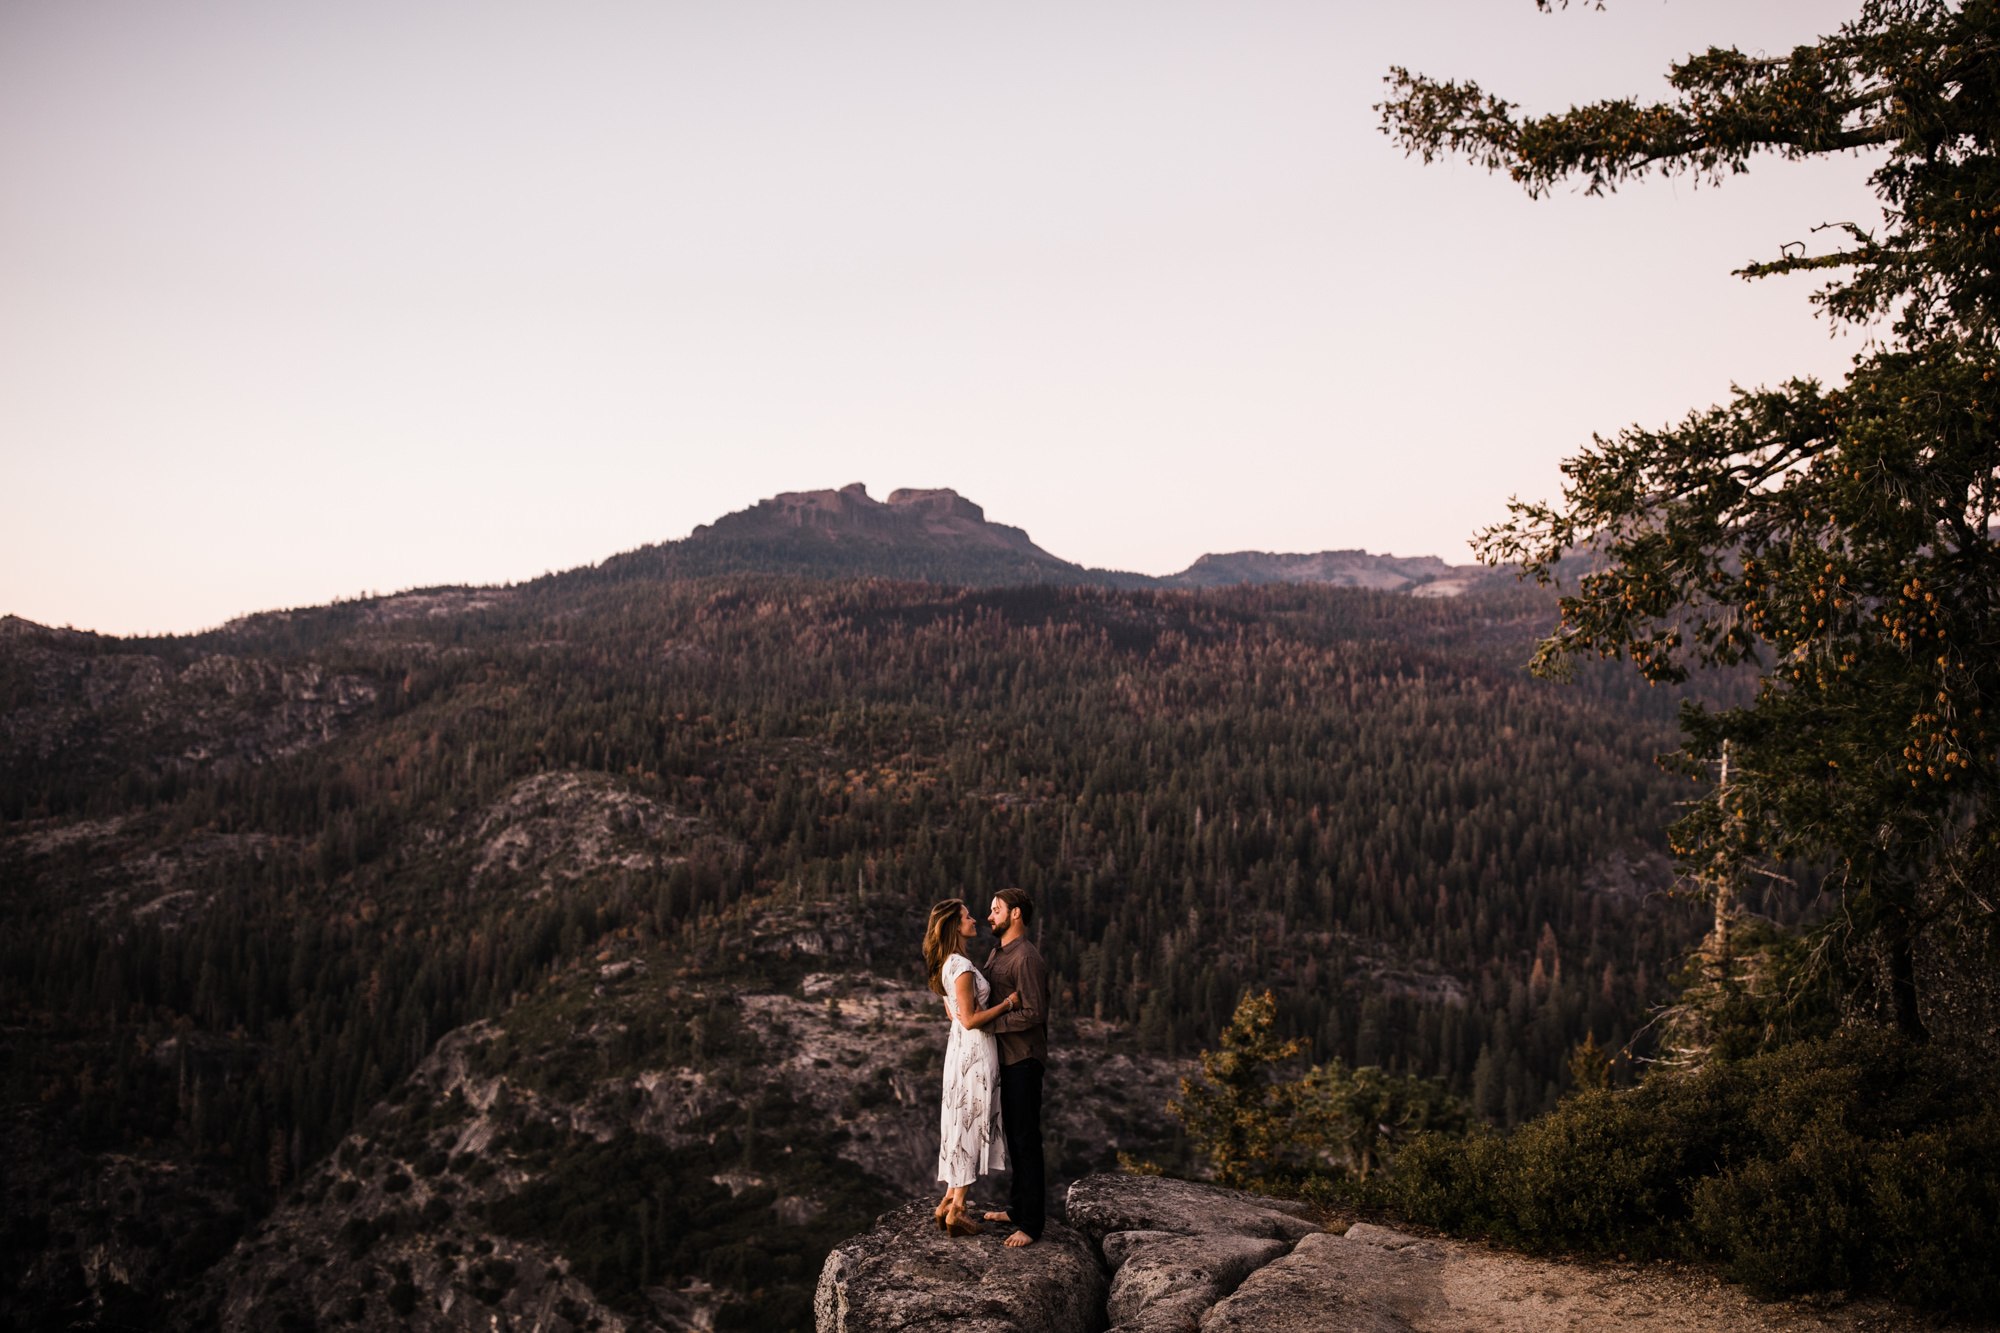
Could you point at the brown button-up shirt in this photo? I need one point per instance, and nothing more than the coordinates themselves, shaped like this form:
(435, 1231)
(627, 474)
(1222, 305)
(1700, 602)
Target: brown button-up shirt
(1023, 1033)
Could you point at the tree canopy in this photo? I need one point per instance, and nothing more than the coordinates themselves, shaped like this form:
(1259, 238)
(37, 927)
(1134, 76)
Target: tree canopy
(1837, 539)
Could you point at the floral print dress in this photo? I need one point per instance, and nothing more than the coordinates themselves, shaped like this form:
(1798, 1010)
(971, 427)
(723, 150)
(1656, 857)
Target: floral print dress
(971, 1143)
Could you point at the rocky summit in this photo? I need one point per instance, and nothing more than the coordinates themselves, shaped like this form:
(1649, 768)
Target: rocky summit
(931, 535)
(940, 517)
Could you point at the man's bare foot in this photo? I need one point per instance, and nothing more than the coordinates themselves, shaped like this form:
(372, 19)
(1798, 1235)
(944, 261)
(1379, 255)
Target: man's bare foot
(998, 1217)
(1018, 1239)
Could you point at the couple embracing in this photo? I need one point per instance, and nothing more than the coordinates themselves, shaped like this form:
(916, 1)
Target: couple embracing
(993, 1063)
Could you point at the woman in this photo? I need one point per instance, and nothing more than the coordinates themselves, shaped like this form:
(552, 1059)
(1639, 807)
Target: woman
(970, 1141)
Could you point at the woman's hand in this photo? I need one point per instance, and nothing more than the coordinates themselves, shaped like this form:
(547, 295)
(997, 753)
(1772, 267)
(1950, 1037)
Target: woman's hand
(980, 1018)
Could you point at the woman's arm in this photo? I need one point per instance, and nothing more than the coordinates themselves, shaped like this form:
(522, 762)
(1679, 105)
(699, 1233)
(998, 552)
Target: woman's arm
(979, 1018)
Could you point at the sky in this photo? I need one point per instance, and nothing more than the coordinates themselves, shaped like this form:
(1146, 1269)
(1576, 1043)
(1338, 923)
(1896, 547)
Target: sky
(313, 300)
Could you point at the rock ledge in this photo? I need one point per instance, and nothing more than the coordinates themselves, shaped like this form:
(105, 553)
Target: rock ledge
(905, 1274)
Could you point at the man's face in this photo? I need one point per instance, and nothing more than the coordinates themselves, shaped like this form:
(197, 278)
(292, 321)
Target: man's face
(997, 917)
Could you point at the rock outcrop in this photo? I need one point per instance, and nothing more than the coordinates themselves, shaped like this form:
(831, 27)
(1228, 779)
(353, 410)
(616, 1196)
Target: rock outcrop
(1165, 1283)
(905, 1274)
(1371, 1279)
(556, 828)
(1102, 1205)
(1176, 1247)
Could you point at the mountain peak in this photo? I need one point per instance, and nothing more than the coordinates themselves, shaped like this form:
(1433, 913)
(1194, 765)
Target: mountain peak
(938, 518)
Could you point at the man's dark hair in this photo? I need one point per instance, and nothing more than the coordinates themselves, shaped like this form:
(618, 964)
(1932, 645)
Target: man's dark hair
(1018, 898)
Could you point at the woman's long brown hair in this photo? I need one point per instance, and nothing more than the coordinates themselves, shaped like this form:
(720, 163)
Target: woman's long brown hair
(942, 940)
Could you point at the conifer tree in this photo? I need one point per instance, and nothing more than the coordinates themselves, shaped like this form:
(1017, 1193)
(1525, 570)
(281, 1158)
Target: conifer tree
(1236, 1113)
(1840, 539)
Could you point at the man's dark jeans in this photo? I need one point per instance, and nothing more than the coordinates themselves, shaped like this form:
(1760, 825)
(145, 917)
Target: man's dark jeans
(1021, 1120)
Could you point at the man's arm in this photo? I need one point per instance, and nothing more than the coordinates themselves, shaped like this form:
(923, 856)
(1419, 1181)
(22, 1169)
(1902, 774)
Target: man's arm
(1030, 978)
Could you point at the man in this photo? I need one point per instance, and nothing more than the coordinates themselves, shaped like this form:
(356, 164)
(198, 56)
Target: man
(1017, 967)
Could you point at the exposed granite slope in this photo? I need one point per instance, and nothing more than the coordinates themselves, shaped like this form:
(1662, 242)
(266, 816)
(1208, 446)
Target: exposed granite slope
(108, 709)
(420, 1217)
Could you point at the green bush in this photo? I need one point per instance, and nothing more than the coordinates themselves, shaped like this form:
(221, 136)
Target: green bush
(1856, 1162)
(1839, 1211)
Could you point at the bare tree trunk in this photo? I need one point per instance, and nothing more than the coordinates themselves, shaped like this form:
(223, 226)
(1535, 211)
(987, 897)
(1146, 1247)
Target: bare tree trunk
(1901, 963)
(1724, 883)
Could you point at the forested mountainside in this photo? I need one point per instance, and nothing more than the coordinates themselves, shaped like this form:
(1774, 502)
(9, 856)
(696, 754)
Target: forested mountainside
(253, 877)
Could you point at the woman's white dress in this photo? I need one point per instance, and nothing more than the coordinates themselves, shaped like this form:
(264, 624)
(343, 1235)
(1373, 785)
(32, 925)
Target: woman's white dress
(971, 1143)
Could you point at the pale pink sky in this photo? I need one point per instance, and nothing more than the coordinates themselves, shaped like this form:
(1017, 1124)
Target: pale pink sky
(303, 300)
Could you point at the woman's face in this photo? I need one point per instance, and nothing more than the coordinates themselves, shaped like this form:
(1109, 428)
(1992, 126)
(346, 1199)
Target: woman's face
(967, 927)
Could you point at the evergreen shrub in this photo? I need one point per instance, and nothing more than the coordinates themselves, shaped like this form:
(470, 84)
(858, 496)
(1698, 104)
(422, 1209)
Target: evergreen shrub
(1319, 1135)
(1858, 1162)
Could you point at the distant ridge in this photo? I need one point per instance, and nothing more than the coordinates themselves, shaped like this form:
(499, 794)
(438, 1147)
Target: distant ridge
(940, 536)
(1420, 575)
(930, 535)
(15, 627)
